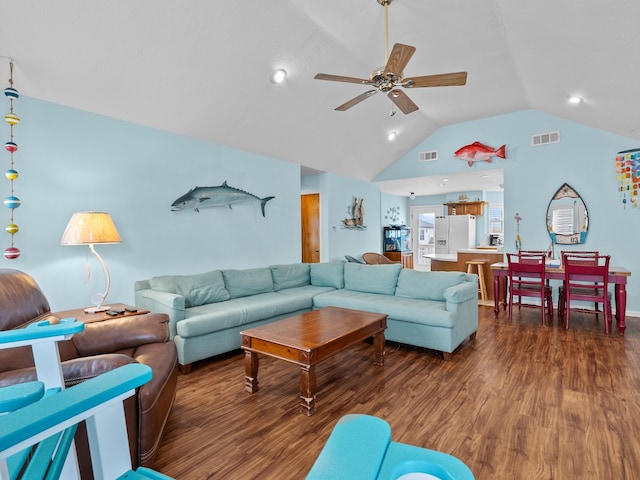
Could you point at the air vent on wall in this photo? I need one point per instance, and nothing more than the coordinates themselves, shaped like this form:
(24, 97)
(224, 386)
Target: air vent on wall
(545, 138)
(428, 156)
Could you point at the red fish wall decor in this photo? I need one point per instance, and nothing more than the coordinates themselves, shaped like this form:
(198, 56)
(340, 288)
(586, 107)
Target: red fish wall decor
(478, 152)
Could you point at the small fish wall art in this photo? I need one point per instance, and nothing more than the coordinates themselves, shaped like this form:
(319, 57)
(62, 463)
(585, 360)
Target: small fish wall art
(393, 215)
(478, 152)
(220, 196)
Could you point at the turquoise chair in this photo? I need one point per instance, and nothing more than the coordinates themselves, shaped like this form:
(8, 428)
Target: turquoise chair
(38, 419)
(360, 448)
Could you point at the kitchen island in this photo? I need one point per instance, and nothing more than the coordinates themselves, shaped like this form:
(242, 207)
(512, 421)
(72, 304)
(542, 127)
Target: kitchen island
(457, 263)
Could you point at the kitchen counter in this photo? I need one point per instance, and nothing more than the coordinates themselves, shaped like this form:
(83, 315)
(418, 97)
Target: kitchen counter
(481, 250)
(457, 263)
(452, 257)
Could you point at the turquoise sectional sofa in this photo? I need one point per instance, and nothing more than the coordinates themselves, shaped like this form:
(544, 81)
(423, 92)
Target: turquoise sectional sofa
(435, 310)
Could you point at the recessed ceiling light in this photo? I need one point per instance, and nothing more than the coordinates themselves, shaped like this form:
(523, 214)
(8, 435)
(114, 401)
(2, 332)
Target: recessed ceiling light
(445, 179)
(392, 135)
(575, 99)
(484, 176)
(278, 76)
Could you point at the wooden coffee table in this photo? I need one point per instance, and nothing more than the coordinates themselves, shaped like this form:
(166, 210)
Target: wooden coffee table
(308, 339)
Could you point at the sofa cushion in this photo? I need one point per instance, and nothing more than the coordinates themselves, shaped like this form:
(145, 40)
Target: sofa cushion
(308, 291)
(371, 278)
(424, 312)
(330, 274)
(427, 285)
(290, 276)
(196, 289)
(242, 283)
(239, 311)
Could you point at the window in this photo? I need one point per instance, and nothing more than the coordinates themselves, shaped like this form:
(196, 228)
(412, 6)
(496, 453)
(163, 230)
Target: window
(496, 219)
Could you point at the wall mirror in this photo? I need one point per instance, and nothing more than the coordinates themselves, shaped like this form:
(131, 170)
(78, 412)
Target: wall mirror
(567, 217)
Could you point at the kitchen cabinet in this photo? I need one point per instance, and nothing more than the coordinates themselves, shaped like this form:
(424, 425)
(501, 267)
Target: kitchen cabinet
(406, 258)
(464, 208)
(458, 263)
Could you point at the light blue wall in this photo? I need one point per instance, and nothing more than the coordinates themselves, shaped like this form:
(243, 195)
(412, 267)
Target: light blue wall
(336, 195)
(584, 159)
(395, 204)
(72, 161)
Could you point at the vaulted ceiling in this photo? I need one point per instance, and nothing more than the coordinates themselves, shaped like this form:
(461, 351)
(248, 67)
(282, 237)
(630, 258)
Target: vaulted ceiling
(201, 68)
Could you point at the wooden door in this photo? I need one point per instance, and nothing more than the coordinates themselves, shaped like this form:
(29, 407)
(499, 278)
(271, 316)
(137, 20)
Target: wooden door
(310, 215)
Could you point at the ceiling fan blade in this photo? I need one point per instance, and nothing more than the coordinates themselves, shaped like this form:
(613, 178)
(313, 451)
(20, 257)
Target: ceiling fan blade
(356, 100)
(403, 102)
(400, 56)
(440, 80)
(339, 78)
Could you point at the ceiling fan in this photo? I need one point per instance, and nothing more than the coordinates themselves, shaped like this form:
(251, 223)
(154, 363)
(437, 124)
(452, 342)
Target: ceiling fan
(388, 78)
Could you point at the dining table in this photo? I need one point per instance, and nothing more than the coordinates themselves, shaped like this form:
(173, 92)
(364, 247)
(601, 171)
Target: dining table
(617, 276)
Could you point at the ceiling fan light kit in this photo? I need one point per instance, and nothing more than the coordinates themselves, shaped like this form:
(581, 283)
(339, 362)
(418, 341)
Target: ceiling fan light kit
(388, 78)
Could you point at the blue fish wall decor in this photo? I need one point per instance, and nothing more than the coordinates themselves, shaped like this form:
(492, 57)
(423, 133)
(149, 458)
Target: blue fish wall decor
(220, 196)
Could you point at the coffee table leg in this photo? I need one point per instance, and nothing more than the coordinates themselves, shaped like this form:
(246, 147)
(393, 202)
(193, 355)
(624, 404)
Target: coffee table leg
(378, 348)
(251, 371)
(308, 389)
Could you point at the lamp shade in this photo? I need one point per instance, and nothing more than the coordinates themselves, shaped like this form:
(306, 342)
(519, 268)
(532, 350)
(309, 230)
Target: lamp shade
(87, 228)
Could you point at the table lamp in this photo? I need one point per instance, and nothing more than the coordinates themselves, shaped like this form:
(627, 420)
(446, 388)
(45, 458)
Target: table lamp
(89, 228)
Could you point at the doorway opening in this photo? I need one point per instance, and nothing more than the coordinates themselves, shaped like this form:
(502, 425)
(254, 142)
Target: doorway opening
(423, 228)
(310, 223)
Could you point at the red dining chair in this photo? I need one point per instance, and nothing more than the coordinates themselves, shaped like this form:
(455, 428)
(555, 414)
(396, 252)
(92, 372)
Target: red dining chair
(579, 256)
(587, 280)
(532, 252)
(527, 278)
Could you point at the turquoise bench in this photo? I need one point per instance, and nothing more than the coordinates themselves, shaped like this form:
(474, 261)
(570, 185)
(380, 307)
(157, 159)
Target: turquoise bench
(360, 448)
(36, 435)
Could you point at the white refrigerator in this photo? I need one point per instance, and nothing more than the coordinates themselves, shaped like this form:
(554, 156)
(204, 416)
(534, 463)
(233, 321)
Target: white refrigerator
(455, 232)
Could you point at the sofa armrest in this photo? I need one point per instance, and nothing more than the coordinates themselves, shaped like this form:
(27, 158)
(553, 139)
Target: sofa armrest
(121, 333)
(461, 293)
(74, 371)
(162, 302)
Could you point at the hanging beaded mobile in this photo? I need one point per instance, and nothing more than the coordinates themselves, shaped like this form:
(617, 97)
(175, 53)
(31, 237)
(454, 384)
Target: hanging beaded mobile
(11, 202)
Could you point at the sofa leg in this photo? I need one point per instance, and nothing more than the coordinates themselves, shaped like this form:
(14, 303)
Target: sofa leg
(447, 356)
(184, 369)
(473, 336)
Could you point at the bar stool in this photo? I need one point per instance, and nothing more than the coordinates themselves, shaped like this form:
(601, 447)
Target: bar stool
(482, 288)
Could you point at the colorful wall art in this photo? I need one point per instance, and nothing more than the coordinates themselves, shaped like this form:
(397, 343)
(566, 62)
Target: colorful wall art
(627, 175)
(11, 202)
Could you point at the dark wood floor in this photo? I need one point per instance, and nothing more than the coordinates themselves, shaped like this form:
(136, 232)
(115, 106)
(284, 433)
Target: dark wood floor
(519, 401)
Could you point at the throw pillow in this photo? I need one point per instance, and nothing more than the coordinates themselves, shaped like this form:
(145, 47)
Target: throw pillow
(427, 285)
(329, 274)
(242, 283)
(197, 289)
(371, 278)
(290, 276)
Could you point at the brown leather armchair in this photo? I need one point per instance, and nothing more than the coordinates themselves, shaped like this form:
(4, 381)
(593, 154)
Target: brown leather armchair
(100, 347)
